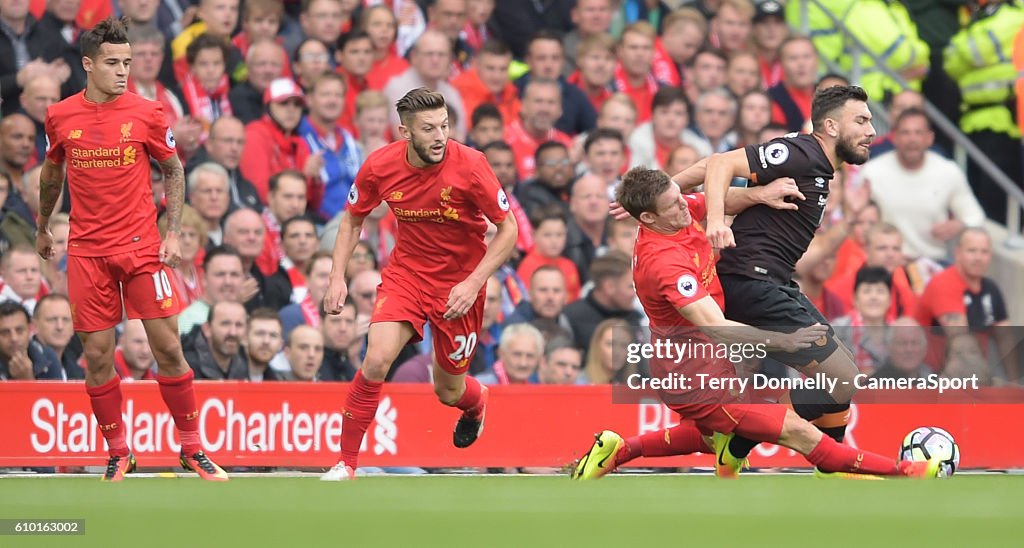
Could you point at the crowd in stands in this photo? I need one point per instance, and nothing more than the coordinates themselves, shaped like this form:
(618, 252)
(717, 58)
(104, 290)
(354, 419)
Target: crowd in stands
(276, 104)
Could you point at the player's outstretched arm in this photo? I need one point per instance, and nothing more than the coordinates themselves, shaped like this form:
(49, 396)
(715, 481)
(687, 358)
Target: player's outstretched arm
(174, 191)
(721, 170)
(706, 315)
(693, 176)
(464, 294)
(348, 236)
(51, 181)
(774, 195)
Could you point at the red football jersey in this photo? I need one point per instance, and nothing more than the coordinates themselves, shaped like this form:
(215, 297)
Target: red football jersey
(672, 271)
(440, 210)
(107, 148)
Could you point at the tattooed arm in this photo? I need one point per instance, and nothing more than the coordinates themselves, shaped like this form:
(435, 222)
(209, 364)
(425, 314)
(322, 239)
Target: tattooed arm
(174, 191)
(51, 181)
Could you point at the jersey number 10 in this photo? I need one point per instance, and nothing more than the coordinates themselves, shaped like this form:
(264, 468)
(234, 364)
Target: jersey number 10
(162, 285)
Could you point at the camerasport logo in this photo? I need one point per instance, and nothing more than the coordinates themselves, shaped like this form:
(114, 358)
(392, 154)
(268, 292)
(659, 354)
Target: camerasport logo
(223, 426)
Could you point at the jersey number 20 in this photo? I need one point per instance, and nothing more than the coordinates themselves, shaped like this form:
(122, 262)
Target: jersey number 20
(466, 346)
(162, 285)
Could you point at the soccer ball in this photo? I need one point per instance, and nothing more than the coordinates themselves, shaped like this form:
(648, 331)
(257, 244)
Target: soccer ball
(928, 442)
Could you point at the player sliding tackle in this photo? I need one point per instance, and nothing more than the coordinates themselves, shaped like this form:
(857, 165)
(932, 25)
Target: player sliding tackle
(757, 266)
(440, 191)
(108, 135)
(677, 285)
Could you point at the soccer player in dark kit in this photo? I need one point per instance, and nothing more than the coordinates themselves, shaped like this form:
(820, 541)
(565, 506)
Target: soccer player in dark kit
(674, 273)
(760, 250)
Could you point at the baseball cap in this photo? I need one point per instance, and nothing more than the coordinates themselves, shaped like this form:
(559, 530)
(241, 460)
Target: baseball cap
(282, 89)
(766, 9)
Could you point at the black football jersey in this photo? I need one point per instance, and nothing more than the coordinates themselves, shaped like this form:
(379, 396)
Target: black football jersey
(770, 241)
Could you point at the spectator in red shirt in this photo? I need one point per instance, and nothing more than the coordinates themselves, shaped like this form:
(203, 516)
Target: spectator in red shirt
(261, 20)
(355, 59)
(768, 32)
(595, 68)
(488, 82)
(503, 162)
(542, 106)
(850, 254)
(811, 278)
(382, 26)
(271, 144)
(962, 298)
(476, 30)
(550, 226)
(863, 331)
(653, 141)
(205, 86)
(683, 33)
(287, 200)
(633, 74)
(884, 248)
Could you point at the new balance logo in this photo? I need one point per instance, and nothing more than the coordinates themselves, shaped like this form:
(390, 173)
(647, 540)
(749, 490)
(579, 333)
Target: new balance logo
(74, 134)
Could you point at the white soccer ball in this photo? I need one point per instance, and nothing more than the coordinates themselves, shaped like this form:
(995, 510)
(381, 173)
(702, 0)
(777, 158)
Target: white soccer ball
(928, 442)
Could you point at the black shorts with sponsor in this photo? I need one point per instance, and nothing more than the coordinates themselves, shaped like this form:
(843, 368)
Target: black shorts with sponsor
(775, 307)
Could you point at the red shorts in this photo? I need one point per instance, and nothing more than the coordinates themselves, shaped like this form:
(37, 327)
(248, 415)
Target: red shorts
(400, 299)
(761, 422)
(96, 286)
(724, 409)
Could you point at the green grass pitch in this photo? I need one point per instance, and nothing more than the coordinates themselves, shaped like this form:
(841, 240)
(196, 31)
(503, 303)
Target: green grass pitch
(485, 511)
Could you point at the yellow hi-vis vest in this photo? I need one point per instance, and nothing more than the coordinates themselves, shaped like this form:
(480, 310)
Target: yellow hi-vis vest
(1018, 60)
(979, 58)
(885, 28)
(827, 39)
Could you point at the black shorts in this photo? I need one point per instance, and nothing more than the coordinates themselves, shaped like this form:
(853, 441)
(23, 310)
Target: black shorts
(768, 305)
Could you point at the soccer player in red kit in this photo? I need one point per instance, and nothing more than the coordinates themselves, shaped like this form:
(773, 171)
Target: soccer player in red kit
(677, 284)
(106, 136)
(440, 191)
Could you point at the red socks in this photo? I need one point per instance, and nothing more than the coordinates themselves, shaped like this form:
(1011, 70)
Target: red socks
(681, 439)
(180, 397)
(832, 456)
(470, 402)
(360, 408)
(106, 405)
